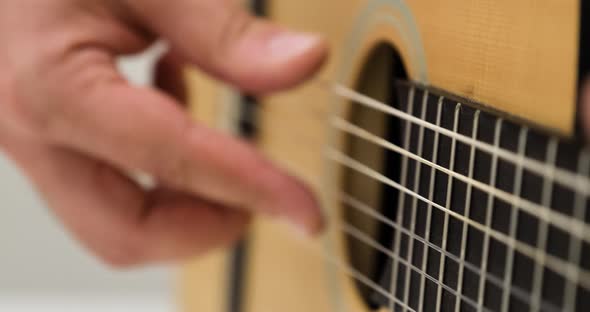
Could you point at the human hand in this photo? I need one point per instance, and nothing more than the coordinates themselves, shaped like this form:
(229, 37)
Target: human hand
(75, 126)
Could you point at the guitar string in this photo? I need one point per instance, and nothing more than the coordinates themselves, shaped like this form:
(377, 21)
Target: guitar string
(562, 221)
(522, 142)
(431, 187)
(359, 235)
(581, 183)
(480, 304)
(355, 274)
(552, 262)
(565, 223)
(353, 231)
(342, 264)
(546, 202)
(418, 270)
(364, 208)
(561, 176)
(466, 206)
(539, 268)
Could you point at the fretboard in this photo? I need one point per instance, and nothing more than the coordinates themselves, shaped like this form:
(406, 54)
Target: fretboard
(482, 213)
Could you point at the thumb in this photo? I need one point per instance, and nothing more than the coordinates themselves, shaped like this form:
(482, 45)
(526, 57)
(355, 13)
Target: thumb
(224, 40)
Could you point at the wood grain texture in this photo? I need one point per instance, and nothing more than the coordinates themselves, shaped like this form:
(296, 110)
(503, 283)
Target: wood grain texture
(282, 264)
(519, 57)
(203, 283)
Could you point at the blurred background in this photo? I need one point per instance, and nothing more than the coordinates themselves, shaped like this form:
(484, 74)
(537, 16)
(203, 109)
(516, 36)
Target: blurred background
(43, 269)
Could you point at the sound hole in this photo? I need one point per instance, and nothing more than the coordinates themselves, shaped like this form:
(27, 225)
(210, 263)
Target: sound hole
(377, 80)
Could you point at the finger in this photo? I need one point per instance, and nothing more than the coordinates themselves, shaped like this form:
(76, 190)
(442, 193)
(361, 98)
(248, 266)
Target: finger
(169, 77)
(141, 129)
(221, 38)
(117, 220)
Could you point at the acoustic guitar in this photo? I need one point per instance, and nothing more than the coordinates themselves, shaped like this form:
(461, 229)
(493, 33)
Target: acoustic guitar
(442, 138)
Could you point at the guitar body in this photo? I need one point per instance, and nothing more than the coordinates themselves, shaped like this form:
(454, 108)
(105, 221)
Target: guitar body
(517, 61)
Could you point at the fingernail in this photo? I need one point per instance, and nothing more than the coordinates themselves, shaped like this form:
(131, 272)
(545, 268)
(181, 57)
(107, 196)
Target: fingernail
(286, 45)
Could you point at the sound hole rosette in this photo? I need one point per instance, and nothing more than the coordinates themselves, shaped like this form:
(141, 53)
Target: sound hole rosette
(380, 23)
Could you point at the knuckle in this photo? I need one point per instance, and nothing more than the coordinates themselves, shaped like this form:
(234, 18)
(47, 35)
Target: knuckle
(52, 93)
(35, 106)
(15, 116)
(31, 85)
(43, 115)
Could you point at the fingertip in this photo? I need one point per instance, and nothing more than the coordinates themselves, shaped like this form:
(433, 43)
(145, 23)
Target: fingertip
(312, 218)
(287, 45)
(298, 206)
(274, 59)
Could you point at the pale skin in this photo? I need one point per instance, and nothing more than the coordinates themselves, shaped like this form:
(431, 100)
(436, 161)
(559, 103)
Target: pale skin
(76, 127)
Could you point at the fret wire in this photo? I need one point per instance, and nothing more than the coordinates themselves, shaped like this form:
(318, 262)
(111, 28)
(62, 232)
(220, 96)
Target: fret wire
(415, 200)
(441, 267)
(429, 209)
(467, 207)
(575, 251)
(516, 189)
(353, 231)
(490, 207)
(554, 263)
(352, 202)
(557, 219)
(400, 212)
(561, 176)
(543, 227)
